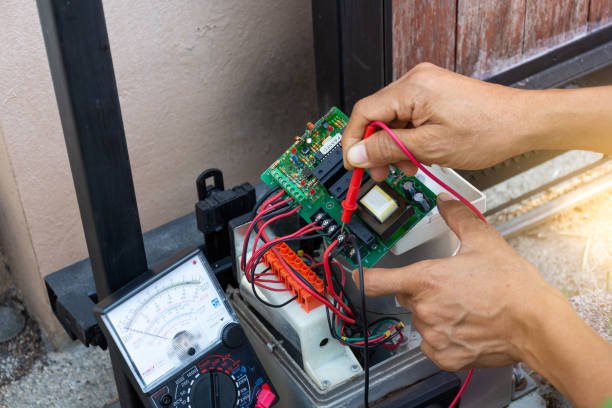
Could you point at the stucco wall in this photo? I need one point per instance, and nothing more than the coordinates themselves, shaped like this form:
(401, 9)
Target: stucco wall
(201, 83)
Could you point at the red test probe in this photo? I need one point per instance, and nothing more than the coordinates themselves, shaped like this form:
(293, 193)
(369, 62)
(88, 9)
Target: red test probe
(349, 204)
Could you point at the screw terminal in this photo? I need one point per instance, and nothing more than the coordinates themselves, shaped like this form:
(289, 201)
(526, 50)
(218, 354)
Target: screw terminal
(305, 299)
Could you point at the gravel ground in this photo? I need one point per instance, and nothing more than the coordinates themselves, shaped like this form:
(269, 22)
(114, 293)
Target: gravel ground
(76, 376)
(33, 376)
(573, 252)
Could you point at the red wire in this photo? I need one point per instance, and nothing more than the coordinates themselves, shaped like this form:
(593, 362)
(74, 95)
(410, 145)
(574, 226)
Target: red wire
(257, 216)
(462, 389)
(475, 210)
(414, 160)
(328, 278)
(270, 244)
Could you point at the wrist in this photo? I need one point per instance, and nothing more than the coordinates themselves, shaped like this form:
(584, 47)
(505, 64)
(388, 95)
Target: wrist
(564, 119)
(561, 347)
(540, 323)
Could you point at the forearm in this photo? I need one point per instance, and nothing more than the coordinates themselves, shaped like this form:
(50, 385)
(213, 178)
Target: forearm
(566, 119)
(561, 347)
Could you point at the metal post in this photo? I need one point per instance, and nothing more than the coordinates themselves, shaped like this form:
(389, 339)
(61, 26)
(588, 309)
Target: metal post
(82, 71)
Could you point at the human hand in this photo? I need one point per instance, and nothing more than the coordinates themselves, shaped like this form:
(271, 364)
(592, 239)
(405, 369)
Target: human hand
(470, 309)
(487, 306)
(442, 117)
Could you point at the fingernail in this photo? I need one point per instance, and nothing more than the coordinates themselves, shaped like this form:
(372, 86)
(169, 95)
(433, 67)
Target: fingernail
(444, 196)
(357, 155)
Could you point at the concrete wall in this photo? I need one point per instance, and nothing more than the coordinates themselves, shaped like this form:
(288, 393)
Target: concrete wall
(201, 83)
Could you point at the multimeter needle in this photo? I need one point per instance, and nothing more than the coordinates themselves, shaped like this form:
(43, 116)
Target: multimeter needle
(149, 334)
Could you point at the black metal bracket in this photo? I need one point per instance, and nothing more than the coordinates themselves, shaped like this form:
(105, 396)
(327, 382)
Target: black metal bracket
(213, 213)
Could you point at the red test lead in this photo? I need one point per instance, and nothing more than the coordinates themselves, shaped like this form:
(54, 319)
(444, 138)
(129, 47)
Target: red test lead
(349, 204)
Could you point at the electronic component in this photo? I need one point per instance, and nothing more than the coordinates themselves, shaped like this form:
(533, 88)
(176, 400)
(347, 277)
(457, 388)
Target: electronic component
(379, 203)
(383, 209)
(331, 167)
(306, 300)
(320, 183)
(362, 233)
(340, 187)
(409, 189)
(422, 201)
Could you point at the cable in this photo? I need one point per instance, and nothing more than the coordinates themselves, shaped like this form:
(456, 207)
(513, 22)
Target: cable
(462, 389)
(429, 174)
(364, 319)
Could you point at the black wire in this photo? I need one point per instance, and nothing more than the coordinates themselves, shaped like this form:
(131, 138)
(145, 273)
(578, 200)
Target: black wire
(364, 319)
(264, 197)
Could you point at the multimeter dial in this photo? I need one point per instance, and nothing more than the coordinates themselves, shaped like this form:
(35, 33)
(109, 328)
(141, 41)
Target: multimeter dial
(170, 322)
(181, 342)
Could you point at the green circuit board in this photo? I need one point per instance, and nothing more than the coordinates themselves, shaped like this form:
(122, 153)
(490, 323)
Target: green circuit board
(311, 172)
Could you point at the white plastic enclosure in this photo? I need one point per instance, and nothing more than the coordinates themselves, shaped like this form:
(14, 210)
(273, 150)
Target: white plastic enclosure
(433, 225)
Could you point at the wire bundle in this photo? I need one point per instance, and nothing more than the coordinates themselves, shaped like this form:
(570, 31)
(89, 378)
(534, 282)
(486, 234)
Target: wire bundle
(344, 325)
(342, 320)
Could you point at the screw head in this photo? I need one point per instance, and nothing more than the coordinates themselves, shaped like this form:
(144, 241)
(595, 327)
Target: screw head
(354, 368)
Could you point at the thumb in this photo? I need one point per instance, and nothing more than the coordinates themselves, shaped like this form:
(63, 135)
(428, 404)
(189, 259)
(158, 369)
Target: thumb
(408, 280)
(459, 218)
(380, 150)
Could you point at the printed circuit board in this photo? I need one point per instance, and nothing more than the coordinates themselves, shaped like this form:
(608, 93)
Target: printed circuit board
(311, 171)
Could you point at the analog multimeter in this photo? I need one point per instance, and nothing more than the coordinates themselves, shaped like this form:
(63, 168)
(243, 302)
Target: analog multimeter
(182, 343)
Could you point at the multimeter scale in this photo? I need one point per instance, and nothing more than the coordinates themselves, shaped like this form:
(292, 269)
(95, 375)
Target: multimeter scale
(181, 342)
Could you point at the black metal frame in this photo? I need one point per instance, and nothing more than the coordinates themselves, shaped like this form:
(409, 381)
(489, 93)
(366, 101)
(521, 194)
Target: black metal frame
(352, 50)
(82, 71)
(562, 64)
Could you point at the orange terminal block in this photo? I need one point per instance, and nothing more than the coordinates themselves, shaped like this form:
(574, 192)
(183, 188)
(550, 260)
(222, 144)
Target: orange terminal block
(305, 299)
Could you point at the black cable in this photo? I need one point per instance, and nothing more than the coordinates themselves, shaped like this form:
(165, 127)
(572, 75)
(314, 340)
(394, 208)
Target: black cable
(264, 197)
(364, 319)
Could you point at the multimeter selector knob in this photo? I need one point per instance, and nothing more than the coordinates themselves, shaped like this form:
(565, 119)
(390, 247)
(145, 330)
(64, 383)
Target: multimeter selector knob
(233, 335)
(215, 389)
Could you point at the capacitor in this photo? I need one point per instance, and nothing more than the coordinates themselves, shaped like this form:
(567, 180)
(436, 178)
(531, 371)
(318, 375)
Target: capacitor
(422, 201)
(409, 188)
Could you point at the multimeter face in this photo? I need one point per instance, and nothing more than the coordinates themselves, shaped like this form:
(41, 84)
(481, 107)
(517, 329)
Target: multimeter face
(169, 323)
